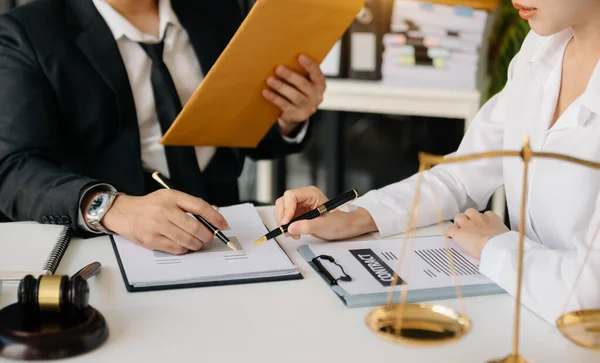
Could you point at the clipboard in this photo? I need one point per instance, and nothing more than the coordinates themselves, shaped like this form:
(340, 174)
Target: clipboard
(228, 109)
(173, 286)
(338, 274)
(214, 265)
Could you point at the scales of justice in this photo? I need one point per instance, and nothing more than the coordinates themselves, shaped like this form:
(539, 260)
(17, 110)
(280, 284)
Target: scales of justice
(425, 325)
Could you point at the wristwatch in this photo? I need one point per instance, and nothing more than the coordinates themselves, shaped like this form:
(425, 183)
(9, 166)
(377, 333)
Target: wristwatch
(97, 209)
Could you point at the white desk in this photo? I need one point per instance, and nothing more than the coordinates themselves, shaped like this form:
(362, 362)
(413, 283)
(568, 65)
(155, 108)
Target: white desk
(374, 97)
(282, 322)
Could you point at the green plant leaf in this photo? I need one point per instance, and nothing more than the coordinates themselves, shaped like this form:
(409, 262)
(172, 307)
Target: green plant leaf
(506, 39)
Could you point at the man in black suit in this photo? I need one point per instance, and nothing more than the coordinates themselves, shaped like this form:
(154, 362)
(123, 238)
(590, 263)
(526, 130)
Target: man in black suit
(88, 87)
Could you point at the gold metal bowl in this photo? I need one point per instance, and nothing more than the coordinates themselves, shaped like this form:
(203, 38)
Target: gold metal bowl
(422, 325)
(581, 327)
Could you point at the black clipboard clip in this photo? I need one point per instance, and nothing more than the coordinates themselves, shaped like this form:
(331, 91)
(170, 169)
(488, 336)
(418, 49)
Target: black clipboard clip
(323, 271)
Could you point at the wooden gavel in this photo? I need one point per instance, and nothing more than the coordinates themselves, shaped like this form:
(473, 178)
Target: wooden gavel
(57, 293)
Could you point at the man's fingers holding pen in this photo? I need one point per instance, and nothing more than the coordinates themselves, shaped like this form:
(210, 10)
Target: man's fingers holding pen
(161, 243)
(190, 225)
(181, 237)
(160, 221)
(199, 207)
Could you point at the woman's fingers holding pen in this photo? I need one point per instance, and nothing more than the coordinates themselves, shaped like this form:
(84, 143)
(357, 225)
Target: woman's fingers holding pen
(296, 202)
(336, 226)
(313, 227)
(279, 210)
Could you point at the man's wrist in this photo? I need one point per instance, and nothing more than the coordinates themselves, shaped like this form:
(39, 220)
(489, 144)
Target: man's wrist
(290, 129)
(113, 215)
(87, 198)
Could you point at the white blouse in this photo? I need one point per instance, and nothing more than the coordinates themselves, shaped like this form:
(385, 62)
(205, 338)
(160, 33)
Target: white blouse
(563, 209)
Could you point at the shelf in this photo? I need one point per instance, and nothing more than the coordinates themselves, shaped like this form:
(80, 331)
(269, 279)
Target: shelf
(476, 4)
(375, 97)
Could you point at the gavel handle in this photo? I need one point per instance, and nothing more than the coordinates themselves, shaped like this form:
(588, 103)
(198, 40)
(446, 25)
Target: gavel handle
(89, 270)
(17, 276)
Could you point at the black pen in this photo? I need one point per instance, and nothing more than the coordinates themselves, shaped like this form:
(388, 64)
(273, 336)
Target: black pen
(328, 207)
(156, 176)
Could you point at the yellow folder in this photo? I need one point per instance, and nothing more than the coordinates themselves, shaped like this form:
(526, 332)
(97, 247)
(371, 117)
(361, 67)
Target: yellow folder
(228, 109)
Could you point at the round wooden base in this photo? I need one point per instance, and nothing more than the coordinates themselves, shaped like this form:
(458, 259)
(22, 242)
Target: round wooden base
(28, 335)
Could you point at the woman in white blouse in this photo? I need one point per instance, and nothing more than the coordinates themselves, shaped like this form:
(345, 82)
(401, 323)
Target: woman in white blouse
(552, 95)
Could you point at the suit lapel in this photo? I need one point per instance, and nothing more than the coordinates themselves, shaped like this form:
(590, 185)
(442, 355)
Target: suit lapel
(99, 46)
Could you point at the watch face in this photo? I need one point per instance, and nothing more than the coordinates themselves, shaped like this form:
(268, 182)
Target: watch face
(98, 204)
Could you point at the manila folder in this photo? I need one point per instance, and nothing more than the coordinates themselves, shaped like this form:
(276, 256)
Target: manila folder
(228, 109)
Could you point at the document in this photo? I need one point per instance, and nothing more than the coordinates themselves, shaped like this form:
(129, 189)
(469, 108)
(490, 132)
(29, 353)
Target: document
(425, 271)
(215, 264)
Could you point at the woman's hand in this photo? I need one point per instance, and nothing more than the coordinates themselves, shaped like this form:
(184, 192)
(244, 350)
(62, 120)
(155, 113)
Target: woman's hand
(332, 226)
(472, 230)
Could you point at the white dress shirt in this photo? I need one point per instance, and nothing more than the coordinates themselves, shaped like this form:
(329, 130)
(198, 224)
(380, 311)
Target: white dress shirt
(563, 208)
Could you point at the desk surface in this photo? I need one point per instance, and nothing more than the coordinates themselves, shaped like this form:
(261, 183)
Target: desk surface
(291, 321)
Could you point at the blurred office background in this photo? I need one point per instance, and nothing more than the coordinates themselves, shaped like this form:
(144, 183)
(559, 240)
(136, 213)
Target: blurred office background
(405, 78)
(439, 60)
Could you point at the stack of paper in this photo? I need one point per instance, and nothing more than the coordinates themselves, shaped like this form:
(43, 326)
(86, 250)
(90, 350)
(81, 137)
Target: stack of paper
(215, 264)
(435, 46)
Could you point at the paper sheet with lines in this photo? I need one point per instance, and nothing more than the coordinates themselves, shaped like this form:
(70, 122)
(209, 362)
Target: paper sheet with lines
(372, 264)
(215, 262)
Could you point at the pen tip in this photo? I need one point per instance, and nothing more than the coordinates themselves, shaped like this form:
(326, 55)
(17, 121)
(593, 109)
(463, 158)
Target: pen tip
(232, 246)
(260, 240)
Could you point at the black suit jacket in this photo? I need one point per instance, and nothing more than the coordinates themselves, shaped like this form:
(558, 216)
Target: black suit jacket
(67, 113)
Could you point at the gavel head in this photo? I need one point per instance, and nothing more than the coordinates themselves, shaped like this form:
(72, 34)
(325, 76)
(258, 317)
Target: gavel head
(54, 293)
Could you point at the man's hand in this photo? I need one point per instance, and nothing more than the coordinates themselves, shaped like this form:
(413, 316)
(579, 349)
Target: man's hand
(159, 221)
(297, 96)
